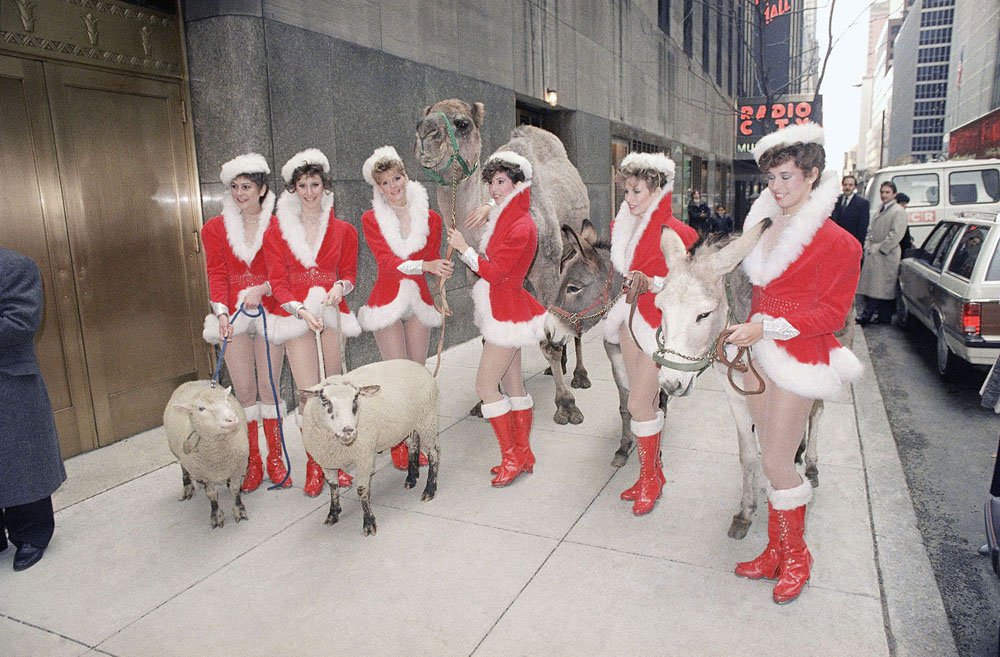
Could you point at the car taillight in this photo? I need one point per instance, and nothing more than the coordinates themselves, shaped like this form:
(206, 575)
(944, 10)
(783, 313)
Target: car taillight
(971, 318)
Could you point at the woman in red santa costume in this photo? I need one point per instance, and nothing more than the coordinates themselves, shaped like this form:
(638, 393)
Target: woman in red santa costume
(312, 264)
(508, 317)
(804, 272)
(404, 236)
(648, 179)
(237, 274)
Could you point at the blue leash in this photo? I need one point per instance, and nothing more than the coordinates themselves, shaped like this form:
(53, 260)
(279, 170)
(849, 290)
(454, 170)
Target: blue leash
(270, 376)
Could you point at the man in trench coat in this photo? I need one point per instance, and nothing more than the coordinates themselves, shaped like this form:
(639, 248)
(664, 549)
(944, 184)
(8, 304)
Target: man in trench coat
(31, 468)
(880, 266)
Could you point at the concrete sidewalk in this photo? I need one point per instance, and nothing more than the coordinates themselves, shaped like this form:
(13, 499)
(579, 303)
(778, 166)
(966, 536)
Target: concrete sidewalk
(555, 564)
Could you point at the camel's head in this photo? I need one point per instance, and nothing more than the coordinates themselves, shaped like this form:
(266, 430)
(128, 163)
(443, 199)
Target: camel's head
(433, 146)
(584, 274)
(693, 301)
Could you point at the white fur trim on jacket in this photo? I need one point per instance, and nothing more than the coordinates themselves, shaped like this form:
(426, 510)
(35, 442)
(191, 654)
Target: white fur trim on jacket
(806, 133)
(233, 221)
(406, 304)
(281, 329)
(289, 215)
(491, 221)
(813, 381)
(656, 161)
(252, 412)
(383, 153)
(496, 409)
(647, 427)
(511, 157)
(617, 317)
(795, 236)
(242, 324)
(270, 411)
(388, 223)
(308, 156)
(504, 334)
(246, 163)
(628, 230)
(787, 499)
(521, 403)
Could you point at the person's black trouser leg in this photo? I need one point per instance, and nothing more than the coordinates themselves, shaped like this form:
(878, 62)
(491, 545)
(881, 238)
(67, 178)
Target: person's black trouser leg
(30, 523)
(3, 533)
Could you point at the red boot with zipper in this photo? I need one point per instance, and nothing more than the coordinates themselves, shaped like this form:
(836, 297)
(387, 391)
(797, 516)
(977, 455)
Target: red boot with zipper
(511, 463)
(276, 470)
(645, 428)
(255, 467)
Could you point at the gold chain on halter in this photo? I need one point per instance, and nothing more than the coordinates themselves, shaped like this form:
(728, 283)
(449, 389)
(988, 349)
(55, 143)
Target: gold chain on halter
(442, 306)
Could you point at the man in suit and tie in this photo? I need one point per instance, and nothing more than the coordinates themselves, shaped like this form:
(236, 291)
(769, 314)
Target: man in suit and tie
(851, 211)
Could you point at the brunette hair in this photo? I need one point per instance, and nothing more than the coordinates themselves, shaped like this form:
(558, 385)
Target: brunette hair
(497, 165)
(806, 155)
(891, 185)
(308, 170)
(851, 176)
(654, 178)
(258, 178)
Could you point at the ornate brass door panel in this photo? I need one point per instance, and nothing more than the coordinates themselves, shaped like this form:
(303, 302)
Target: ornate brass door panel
(34, 224)
(128, 196)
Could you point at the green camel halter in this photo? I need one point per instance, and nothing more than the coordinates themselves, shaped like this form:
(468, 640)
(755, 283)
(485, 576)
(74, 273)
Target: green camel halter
(456, 158)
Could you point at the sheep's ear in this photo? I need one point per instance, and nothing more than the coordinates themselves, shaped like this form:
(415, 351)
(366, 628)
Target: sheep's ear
(306, 395)
(368, 391)
(229, 390)
(183, 408)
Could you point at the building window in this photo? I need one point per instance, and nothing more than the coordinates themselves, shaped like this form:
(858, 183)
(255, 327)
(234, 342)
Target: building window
(935, 54)
(936, 35)
(929, 108)
(931, 4)
(931, 73)
(927, 144)
(663, 15)
(689, 27)
(706, 44)
(720, 35)
(938, 17)
(729, 53)
(931, 90)
(928, 126)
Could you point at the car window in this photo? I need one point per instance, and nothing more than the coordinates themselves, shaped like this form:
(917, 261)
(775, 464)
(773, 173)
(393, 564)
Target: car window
(993, 272)
(927, 249)
(971, 187)
(922, 188)
(967, 251)
(944, 246)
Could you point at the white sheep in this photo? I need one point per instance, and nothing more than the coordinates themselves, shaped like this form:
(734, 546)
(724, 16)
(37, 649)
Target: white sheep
(207, 432)
(347, 419)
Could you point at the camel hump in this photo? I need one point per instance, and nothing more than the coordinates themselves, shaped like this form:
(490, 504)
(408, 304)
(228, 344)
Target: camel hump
(545, 146)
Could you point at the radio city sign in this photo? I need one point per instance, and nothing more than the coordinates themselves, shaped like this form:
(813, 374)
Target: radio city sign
(757, 117)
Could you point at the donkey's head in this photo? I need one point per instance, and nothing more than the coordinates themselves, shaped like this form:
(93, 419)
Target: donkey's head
(585, 274)
(693, 300)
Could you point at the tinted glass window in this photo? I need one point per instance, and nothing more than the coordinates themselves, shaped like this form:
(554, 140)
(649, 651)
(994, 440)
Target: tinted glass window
(941, 252)
(932, 241)
(968, 187)
(922, 188)
(993, 273)
(967, 251)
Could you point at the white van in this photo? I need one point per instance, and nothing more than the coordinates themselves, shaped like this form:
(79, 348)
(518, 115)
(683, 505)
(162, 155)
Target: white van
(940, 190)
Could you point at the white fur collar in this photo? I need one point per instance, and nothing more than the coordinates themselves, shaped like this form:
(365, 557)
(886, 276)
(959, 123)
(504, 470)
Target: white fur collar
(233, 221)
(388, 222)
(491, 222)
(627, 231)
(289, 215)
(795, 236)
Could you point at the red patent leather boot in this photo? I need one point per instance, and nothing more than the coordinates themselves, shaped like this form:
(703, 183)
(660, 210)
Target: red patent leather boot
(276, 470)
(789, 505)
(401, 457)
(768, 562)
(511, 465)
(314, 477)
(344, 480)
(650, 481)
(521, 417)
(255, 468)
(646, 428)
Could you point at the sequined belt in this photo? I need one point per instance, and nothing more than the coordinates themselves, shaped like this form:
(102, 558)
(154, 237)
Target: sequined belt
(246, 279)
(769, 305)
(312, 277)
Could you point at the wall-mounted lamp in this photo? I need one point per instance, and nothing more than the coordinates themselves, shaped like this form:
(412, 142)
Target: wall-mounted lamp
(551, 97)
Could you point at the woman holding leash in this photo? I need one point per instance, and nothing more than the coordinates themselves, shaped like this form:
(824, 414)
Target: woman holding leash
(237, 275)
(648, 179)
(404, 236)
(506, 314)
(312, 264)
(804, 272)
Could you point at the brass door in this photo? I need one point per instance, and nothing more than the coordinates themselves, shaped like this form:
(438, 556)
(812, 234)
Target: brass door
(35, 225)
(123, 164)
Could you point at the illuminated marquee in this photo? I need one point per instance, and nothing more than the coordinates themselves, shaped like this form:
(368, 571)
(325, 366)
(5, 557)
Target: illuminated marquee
(757, 117)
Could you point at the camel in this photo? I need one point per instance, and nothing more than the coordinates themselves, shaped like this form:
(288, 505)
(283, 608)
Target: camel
(699, 309)
(558, 196)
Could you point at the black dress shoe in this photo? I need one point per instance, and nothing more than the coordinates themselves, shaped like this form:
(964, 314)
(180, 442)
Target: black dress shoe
(863, 321)
(27, 555)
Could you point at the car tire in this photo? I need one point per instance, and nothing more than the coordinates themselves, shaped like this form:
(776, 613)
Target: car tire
(903, 315)
(947, 362)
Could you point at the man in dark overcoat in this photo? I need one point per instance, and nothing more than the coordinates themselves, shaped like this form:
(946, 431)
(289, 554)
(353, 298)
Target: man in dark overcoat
(852, 210)
(31, 468)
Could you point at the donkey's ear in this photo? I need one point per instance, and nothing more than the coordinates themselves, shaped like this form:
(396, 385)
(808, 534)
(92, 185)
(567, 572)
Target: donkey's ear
(673, 248)
(575, 241)
(728, 257)
(588, 233)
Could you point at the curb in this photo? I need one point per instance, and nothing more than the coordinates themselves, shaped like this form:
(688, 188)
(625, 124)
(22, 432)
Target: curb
(915, 620)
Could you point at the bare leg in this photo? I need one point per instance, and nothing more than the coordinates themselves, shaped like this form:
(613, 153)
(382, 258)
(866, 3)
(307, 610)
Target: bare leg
(417, 339)
(333, 357)
(644, 383)
(260, 356)
(780, 417)
(240, 363)
(493, 366)
(512, 381)
(302, 358)
(391, 341)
